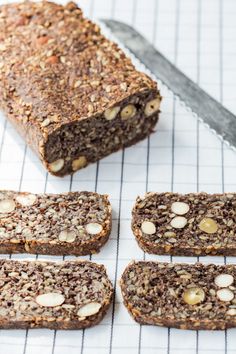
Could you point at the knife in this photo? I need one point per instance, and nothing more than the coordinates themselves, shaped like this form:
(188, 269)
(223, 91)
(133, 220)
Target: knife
(217, 117)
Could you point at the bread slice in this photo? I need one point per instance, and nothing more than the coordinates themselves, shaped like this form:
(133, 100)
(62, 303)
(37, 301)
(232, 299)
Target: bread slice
(195, 296)
(77, 223)
(186, 224)
(56, 295)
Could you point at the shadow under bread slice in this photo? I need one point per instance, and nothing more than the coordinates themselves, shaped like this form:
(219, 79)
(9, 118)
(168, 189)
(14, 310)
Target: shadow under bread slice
(56, 295)
(186, 296)
(77, 223)
(186, 224)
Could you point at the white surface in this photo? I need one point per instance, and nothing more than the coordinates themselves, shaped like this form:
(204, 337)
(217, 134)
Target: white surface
(182, 156)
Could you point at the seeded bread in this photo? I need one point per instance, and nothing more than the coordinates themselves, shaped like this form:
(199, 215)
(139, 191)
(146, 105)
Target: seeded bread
(71, 93)
(56, 295)
(185, 296)
(76, 223)
(190, 224)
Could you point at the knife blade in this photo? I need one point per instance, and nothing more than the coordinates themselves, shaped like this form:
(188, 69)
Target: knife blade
(220, 119)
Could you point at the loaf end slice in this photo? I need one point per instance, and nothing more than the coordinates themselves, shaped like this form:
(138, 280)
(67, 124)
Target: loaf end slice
(55, 295)
(77, 223)
(72, 94)
(194, 224)
(185, 296)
